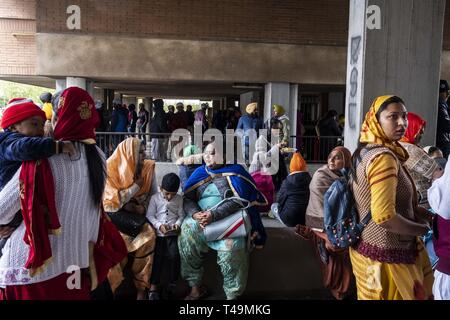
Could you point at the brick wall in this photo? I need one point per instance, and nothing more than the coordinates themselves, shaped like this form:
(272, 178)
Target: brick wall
(17, 42)
(19, 9)
(276, 21)
(317, 22)
(320, 22)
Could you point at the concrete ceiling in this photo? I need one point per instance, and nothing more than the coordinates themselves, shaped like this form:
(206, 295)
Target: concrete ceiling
(171, 89)
(168, 89)
(31, 80)
(177, 89)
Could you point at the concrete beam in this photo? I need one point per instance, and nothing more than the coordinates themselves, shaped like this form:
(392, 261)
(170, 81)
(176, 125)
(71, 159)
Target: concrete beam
(162, 59)
(61, 84)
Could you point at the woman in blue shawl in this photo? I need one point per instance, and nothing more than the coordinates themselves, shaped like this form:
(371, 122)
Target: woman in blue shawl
(207, 186)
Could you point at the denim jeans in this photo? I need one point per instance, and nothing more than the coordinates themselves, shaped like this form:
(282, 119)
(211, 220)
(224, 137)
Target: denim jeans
(428, 241)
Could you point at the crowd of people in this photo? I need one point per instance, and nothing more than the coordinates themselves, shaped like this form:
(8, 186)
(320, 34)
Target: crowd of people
(65, 206)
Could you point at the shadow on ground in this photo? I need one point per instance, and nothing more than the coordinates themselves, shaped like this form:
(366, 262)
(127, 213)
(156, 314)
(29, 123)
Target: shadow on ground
(287, 268)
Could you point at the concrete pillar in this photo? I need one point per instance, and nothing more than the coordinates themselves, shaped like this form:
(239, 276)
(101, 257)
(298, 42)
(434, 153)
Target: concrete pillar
(90, 87)
(99, 94)
(402, 57)
(148, 101)
(223, 103)
(76, 82)
(118, 96)
(60, 84)
(109, 97)
(286, 95)
(292, 114)
(276, 93)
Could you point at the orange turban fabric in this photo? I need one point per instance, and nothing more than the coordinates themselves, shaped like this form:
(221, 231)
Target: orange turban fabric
(298, 163)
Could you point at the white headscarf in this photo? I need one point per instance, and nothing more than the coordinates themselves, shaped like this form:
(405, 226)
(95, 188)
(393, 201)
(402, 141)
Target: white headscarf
(439, 194)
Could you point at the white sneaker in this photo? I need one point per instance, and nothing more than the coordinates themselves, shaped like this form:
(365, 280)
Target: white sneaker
(274, 213)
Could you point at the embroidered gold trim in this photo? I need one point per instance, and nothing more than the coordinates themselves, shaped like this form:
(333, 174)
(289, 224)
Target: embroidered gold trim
(85, 110)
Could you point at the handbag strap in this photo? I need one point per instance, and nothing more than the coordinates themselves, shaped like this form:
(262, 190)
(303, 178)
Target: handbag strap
(366, 219)
(237, 199)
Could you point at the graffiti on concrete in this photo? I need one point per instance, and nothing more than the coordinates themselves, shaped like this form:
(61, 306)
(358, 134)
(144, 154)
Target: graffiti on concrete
(355, 48)
(355, 43)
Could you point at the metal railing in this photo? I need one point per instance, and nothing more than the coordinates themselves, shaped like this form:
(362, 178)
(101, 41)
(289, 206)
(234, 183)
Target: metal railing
(108, 141)
(314, 149)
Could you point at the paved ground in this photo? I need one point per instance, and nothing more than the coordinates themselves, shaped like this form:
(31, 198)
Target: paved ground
(287, 268)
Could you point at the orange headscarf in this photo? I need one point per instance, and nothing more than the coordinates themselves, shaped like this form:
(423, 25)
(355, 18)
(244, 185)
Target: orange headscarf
(415, 124)
(121, 168)
(297, 163)
(371, 131)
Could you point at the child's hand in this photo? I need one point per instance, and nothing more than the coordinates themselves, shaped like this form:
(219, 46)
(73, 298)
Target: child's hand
(254, 236)
(437, 173)
(6, 231)
(69, 148)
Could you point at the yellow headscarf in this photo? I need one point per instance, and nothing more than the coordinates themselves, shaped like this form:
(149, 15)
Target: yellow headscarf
(278, 109)
(121, 168)
(48, 109)
(371, 131)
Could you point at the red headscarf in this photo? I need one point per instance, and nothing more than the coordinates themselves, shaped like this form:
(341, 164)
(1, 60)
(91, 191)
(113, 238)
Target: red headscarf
(77, 120)
(77, 116)
(415, 124)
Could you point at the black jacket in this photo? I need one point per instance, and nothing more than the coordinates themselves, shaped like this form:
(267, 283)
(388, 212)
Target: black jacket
(293, 198)
(329, 127)
(159, 124)
(443, 124)
(190, 118)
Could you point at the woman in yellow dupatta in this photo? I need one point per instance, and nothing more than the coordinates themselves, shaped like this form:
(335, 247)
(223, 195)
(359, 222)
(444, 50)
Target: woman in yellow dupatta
(128, 188)
(389, 261)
